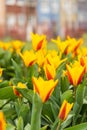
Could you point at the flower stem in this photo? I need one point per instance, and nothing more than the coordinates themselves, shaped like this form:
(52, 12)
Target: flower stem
(59, 124)
(36, 113)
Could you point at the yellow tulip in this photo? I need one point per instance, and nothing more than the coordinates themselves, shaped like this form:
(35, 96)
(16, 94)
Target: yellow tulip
(17, 45)
(38, 41)
(64, 110)
(75, 73)
(28, 57)
(43, 87)
(2, 121)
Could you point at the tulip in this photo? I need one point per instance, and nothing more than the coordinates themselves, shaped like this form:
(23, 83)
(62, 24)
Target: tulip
(49, 71)
(1, 70)
(17, 45)
(38, 41)
(2, 121)
(75, 73)
(44, 88)
(40, 57)
(28, 57)
(64, 110)
(55, 60)
(62, 45)
(83, 62)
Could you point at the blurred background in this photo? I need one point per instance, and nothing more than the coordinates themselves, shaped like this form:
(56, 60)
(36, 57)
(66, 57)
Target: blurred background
(18, 18)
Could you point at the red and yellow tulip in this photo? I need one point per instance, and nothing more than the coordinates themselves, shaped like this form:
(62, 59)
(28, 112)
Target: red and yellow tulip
(28, 57)
(38, 41)
(49, 71)
(54, 60)
(43, 87)
(64, 110)
(75, 73)
(83, 62)
(2, 121)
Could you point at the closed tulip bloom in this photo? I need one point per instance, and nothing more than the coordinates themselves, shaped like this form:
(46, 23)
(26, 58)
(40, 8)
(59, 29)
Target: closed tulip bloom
(2, 121)
(75, 73)
(83, 62)
(43, 87)
(38, 41)
(50, 71)
(64, 110)
(28, 57)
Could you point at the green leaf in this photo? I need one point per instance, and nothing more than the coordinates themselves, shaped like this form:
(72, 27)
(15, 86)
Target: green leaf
(67, 121)
(27, 127)
(4, 83)
(36, 112)
(82, 126)
(27, 93)
(80, 92)
(64, 84)
(17, 69)
(47, 111)
(20, 124)
(59, 70)
(67, 95)
(10, 127)
(7, 92)
(44, 128)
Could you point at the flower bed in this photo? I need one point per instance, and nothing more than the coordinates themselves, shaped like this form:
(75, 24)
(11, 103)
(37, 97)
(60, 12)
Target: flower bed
(42, 89)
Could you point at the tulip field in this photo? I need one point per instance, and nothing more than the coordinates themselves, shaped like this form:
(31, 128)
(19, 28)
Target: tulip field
(42, 88)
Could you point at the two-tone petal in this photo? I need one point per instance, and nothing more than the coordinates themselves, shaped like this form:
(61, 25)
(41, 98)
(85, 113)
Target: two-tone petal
(75, 73)
(28, 57)
(38, 41)
(50, 71)
(43, 87)
(64, 110)
(2, 121)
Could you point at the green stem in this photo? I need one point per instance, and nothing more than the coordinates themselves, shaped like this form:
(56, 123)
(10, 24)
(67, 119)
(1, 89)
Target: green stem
(58, 127)
(36, 112)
